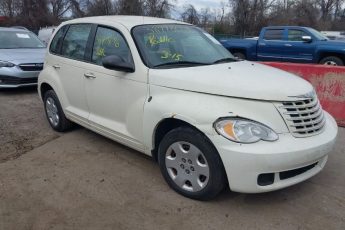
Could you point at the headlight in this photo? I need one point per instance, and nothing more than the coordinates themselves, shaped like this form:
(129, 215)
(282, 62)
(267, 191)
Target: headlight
(244, 131)
(6, 64)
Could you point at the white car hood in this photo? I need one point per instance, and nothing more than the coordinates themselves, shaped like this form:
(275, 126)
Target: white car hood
(237, 79)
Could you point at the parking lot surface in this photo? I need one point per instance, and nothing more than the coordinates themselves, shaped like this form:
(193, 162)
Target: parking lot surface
(81, 180)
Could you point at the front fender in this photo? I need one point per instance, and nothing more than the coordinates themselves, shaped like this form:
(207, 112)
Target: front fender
(320, 50)
(202, 110)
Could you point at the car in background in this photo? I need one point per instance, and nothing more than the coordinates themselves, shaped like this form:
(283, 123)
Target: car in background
(21, 57)
(45, 34)
(334, 35)
(288, 44)
(20, 27)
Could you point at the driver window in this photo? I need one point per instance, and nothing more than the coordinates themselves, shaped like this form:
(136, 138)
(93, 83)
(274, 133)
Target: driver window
(296, 35)
(109, 42)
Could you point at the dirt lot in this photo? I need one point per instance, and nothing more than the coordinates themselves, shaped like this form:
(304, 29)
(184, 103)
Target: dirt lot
(80, 180)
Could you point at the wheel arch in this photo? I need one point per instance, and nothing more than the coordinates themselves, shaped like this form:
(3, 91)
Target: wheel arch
(166, 125)
(239, 50)
(324, 54)
(44, 87)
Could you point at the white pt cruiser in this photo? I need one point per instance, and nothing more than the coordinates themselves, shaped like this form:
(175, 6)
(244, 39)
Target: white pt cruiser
(170, 90)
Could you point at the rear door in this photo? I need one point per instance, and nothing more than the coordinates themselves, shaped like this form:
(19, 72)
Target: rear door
(296, 50)
(270, 45)
(70, 65)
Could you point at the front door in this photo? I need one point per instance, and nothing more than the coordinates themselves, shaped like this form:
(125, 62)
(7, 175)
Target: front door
(116, 99)
(296, 49)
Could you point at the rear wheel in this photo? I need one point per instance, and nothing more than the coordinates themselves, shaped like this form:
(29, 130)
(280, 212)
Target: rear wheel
(54, 112)
(332, 60)
(190, 164)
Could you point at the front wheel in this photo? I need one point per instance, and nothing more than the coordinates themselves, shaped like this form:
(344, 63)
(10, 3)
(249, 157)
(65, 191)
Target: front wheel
(332, 60)
(190, 164)
(239, 55)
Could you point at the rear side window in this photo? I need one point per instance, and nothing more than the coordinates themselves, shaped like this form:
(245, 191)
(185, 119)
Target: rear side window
(57, 40)
(75, 41)
(274, 34)
(296, 35)
(109, 42)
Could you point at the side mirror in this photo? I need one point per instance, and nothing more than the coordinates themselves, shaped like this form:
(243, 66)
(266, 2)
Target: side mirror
(115, 62)
(306, 38)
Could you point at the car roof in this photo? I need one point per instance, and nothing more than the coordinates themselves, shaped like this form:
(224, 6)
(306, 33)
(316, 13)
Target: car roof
(286, 27)
(9, 29)
(127, 21)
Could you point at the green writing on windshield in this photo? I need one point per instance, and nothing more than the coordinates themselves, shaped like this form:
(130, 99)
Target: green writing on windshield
(156, 29)
(166, 54)
(153, 40)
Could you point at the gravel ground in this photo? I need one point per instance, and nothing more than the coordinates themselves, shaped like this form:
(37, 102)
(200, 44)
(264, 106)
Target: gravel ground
(81, 180)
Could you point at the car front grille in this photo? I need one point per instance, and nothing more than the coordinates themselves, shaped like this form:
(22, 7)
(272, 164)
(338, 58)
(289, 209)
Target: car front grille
(303, 117)
(31, 66)
(8, 80)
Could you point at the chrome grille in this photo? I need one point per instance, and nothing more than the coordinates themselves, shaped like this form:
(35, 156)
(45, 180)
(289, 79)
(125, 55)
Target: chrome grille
(303, 117)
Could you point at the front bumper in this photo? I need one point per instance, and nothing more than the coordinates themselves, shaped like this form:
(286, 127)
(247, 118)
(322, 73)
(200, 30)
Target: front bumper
(14, 77)
(245, 162)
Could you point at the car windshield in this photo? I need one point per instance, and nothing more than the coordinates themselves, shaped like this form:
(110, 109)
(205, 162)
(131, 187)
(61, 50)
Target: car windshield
(19, 40)
(317, 34)
(174, 45)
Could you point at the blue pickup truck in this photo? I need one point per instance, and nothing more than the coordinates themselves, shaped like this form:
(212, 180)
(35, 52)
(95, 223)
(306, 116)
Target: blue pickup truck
(288, 44)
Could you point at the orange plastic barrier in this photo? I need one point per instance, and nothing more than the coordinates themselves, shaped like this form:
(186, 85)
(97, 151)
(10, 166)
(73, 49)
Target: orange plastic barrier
(328, 81)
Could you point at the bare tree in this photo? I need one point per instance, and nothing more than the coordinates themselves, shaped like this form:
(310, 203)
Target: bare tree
(157, 8)
(326, 7)
(58, 9)
(205, 17)
(100, 7)
(130, 7)
(8, 8)
(78, 8)
(190, 15)
(241, 17)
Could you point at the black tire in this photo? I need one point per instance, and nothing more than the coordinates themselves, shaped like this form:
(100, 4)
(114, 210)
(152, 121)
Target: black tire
(240, 55)
(216, 179)
(63, 123)
(332, 60)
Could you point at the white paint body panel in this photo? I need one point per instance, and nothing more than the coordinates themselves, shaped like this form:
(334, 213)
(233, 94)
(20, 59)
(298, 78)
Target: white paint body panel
(116, 105)
(239, 79)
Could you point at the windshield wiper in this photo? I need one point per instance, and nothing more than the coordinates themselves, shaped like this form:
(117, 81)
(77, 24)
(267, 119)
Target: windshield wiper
(182, 63)
(226, 60)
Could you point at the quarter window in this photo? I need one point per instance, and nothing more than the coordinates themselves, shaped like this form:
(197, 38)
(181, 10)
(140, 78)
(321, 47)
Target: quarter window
(57, 40)
(75, 41)
(276, 34)
(109, 42)
(296, 35)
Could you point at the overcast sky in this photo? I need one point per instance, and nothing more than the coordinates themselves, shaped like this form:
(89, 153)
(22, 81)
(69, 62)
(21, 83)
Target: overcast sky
(200, 3)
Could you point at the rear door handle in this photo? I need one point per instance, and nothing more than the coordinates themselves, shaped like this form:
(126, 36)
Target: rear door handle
(56, 66)
(288, 45)
(89, 75)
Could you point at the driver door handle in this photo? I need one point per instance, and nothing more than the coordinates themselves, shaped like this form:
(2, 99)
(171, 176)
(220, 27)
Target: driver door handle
(56, 66)
(288, 45)
(89, 75)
